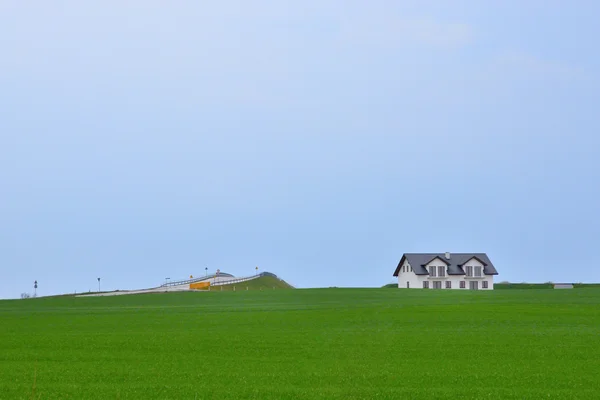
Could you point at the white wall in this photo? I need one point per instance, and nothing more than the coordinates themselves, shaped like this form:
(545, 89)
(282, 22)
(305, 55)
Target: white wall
(410, 277)
(489, 278)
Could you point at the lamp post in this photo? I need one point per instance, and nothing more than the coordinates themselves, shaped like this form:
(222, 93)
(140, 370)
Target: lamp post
(167, 281)
(35, 289)
(98, 284)
(256, 270)
(206, 269)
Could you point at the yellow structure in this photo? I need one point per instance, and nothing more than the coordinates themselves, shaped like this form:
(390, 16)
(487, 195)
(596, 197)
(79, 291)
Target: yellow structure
(200, 285)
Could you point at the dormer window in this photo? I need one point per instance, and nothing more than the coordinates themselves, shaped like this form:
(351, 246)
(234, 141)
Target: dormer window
(471, 271)
(432, 271)
(441, 271)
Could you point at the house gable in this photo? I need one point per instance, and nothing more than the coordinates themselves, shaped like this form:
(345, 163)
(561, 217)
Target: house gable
(416, 267)
(482, 263)
(435, 261)
(397, 271)
(478, 260)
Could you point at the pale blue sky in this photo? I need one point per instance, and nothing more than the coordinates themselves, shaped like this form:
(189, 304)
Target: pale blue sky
(316, 139)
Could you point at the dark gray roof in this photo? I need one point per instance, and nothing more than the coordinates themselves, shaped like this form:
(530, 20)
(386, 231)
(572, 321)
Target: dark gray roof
(418, 261)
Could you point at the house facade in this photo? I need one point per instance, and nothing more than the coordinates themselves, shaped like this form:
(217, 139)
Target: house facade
(461, 271)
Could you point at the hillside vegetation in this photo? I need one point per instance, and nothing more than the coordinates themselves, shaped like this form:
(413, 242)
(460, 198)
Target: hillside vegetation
(304, 344)
(262, 283)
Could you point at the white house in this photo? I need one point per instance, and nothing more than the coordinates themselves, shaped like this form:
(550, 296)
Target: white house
(465, 271)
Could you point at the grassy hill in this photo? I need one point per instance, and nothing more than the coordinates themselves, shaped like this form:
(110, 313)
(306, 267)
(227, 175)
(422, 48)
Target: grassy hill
(262, 283)
(304, 344)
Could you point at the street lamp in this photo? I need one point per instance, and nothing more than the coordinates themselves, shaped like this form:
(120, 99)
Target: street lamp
(206, 269)
(256, 270)
(35, 289)
(98, 284)
(167, 281)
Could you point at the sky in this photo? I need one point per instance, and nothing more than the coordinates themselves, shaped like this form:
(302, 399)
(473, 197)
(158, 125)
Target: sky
(318, 140)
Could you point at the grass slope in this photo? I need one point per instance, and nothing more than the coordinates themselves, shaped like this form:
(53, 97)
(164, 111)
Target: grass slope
(262, 283)
(304, 344)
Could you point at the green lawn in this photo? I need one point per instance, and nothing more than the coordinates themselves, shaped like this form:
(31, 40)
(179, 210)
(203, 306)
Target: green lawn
(304, 344)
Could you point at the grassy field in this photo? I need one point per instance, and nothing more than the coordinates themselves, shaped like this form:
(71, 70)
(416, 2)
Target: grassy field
(541, 285)
(304, 344)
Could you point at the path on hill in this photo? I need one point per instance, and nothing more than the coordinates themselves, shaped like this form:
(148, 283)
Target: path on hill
(184, 286)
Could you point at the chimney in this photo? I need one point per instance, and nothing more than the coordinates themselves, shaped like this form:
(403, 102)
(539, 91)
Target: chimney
(447, 255)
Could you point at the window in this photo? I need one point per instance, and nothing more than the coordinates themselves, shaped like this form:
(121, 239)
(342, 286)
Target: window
(484, 284)
(411, 270)
(441, 271)
(432, 271)
(478, 271)
(408, 285)
(437, 284)
(403, 268)
(469, 270)
(474, 285)
(462, 284)
(426, 285)
(448, 285)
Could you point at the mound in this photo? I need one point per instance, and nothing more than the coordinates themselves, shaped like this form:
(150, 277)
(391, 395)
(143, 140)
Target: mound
(262, 283)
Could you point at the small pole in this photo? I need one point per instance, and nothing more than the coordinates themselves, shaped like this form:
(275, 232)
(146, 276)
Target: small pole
(256, 270)
(98, 284)
(35, 289)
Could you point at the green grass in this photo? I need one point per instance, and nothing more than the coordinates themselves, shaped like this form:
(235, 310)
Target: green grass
(546, 285)
(498, 286)
(262, 283)
(304, 344)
